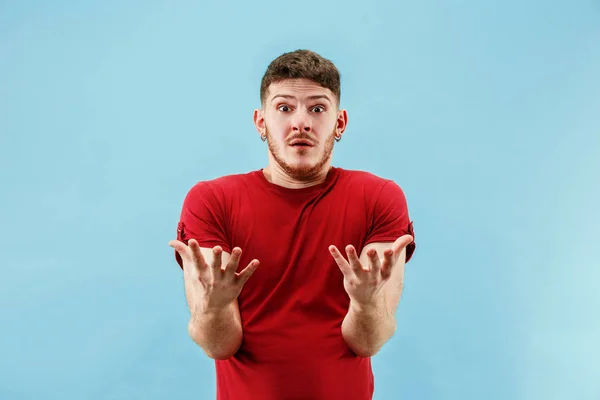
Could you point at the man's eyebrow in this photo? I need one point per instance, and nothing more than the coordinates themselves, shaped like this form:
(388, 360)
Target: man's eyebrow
(320, 96)
(315, 97)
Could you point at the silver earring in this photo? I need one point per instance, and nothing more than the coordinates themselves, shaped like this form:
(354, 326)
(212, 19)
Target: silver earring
(263, 137)
(338, 138)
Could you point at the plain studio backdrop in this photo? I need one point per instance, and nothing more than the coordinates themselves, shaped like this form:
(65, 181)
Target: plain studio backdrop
(487, 114)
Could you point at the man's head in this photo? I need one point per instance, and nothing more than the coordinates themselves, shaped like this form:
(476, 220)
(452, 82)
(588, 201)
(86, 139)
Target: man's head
(302, 64)
(300, 115)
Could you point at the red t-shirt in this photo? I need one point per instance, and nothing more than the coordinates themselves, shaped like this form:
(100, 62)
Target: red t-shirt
(293, 306)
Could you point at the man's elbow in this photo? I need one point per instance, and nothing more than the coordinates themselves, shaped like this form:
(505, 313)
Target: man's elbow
(219, 356)
(365, 351)
(216, 351)
(363, 346)
(367, 345)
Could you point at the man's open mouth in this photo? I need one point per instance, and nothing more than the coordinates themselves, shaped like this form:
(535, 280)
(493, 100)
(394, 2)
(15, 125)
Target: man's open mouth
(300, 143)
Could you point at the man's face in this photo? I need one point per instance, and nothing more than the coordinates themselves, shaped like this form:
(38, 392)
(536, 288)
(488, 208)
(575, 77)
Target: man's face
(300, 119)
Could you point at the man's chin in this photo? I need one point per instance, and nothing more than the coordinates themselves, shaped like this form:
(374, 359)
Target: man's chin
(302, 171)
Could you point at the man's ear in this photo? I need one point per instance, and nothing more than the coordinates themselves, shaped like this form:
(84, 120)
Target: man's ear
(259, 121)
(341, 123)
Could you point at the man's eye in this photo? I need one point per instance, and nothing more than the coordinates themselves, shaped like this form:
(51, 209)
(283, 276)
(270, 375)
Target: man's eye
(318, 109)
(283, 108)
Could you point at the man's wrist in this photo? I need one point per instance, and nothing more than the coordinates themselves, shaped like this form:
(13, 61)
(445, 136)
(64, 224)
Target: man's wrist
(367, 326)
(375, 305)
(209, 310)
(203, 311)
(205, 317)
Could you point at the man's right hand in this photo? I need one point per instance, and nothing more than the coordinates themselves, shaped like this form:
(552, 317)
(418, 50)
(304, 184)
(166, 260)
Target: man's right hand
(211, 287)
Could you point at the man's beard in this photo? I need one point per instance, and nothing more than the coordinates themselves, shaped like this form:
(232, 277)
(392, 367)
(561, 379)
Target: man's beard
(305, 172)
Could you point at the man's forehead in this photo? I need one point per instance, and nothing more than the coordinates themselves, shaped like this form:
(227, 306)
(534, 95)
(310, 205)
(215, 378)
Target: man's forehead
(299, 89)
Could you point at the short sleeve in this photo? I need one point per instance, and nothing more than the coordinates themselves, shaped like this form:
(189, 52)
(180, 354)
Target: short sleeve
(390, 218)
(203, 219)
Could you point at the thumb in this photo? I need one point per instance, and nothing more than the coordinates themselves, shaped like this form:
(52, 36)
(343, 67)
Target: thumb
(180, 247)
(247, 272)
(402, 242)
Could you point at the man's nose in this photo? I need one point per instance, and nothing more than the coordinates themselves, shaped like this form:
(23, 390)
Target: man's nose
(301, 122)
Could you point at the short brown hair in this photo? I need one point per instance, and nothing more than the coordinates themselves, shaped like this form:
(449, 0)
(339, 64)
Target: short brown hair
(302, 64)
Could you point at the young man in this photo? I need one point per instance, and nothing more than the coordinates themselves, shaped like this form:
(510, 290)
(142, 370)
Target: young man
(331, 244)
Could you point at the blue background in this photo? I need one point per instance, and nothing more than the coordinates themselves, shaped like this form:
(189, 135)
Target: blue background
(487, 113)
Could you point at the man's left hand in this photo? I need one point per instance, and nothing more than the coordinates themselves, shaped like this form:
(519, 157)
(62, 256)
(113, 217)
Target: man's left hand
(364, 283)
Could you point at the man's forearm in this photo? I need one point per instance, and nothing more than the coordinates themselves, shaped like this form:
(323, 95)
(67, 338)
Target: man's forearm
(366, 328)
(218, 332)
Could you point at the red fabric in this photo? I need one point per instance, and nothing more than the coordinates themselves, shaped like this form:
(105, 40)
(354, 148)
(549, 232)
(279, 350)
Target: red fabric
(293, 306)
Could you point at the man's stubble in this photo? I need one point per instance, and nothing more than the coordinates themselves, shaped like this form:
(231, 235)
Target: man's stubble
(305, 172)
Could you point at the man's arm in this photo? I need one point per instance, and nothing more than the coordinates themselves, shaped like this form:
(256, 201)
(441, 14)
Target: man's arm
(212, 287)
(367, 327)
(218, 331)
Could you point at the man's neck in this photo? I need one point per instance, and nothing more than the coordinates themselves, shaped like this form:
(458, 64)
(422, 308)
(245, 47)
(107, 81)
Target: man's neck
(278, 177)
